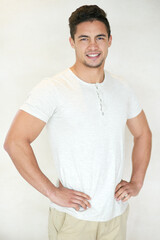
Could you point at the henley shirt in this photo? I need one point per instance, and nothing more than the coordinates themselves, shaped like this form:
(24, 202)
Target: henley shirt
(86, 128)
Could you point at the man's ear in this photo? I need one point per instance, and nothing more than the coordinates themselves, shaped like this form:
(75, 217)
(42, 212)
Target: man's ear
(110, 41)
(72, 42)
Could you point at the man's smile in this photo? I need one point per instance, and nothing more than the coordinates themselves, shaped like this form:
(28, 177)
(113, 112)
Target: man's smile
(93, 55)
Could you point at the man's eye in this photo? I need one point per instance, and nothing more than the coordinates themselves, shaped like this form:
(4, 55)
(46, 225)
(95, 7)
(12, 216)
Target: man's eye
(84, 39)
(100, 38)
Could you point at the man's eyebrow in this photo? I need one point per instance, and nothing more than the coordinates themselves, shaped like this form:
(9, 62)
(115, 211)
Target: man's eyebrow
(81, 36)
(86, 36)
(101, 35)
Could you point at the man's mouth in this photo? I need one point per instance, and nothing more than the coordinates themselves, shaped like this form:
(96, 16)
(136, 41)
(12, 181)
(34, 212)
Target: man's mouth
(93, 55)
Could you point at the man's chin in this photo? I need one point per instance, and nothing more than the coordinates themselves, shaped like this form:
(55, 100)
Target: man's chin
(92, 65)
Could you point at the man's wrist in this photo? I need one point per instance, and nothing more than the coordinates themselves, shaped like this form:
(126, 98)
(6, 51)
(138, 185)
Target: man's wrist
(51, 193)
(139, 184)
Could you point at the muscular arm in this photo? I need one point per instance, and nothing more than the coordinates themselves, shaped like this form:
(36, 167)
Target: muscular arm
(139, 128)
(24, 130)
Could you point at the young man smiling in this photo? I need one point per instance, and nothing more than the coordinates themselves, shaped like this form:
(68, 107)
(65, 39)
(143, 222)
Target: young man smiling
(91, 43)
(86, 111)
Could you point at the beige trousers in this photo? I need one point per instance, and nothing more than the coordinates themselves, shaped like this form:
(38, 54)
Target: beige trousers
(63, 226)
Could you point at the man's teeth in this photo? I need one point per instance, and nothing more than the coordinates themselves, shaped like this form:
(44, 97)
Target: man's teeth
(93, 55)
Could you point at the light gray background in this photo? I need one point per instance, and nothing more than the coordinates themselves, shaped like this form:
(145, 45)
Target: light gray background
(33, 45)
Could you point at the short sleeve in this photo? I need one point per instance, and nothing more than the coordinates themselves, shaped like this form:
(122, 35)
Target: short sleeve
(134, 107)
(41, 101)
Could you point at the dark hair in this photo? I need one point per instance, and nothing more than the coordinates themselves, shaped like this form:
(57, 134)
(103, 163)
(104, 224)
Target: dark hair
(87, 13)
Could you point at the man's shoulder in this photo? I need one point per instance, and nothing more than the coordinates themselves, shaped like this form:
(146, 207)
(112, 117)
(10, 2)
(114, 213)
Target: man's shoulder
(119, 85)
(60, 75)
(52, 81)
(117, 81)
(115, 78)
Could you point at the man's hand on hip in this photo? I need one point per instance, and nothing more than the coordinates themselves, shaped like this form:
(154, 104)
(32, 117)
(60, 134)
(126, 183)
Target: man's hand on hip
(126, 190)
(70, 198)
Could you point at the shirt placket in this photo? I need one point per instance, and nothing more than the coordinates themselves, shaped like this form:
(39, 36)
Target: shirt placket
(100, 98)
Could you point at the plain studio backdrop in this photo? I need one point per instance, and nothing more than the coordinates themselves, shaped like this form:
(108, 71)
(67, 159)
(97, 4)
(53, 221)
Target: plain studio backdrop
(33, 45)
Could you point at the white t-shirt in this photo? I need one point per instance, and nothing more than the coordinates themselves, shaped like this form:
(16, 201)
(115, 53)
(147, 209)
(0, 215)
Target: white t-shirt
(86, 126)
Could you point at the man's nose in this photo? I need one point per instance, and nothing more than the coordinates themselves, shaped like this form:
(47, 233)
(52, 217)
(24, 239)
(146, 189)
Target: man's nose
(93, 44)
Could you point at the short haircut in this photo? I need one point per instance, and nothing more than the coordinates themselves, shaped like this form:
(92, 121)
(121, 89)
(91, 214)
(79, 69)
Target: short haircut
(87, 13)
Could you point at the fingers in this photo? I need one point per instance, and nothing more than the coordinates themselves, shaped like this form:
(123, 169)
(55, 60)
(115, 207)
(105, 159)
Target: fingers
(76, 207)
(80, 204)
(81, 201)
(122, 191)
(72, 198)
(77, 192)
(82, 194)
(126, 197)
(120, 185)
(126, 190)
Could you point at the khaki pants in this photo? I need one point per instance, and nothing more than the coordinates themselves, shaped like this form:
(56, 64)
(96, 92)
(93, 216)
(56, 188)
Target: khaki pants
(63, 226)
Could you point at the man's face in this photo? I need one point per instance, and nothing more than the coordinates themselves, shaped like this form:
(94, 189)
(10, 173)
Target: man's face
(91, 44)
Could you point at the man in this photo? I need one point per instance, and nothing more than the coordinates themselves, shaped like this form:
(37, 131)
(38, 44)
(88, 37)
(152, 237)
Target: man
(86, 111)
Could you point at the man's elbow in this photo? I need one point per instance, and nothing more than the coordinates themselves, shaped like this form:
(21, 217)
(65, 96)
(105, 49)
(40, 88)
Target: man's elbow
(9, 145)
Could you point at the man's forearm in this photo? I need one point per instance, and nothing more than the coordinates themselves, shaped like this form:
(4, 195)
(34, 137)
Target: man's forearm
(25, 161)
(141, 157)
(23, 157)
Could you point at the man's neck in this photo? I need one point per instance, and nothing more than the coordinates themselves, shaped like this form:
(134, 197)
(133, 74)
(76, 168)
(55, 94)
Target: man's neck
(87, 74)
